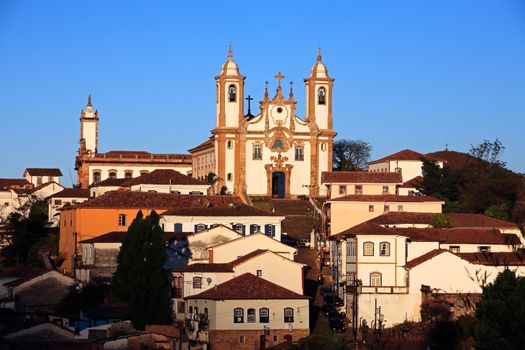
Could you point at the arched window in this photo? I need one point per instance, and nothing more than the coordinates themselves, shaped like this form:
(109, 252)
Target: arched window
(232, 93)
(250, 318)
(384, 249)
(112, 174)
(257, 151)
(96, 177)
(128, 174)
(288, 315)
(238, 315)
(368, 248)
(264, 315)
(321, 96)
(375, 279)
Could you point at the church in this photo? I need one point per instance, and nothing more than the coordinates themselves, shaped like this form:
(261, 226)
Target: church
(275, 153)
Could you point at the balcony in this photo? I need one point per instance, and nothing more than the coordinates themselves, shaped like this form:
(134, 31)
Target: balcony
(383, 290)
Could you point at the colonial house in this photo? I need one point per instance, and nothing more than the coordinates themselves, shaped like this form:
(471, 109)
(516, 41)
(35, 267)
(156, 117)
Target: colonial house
(247, 312)
(407, 162)
(39, 176)
(354, 209)
(372, 262)
(342, 183)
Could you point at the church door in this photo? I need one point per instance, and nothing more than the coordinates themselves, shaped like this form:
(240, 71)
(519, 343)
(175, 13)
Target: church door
(278, 184)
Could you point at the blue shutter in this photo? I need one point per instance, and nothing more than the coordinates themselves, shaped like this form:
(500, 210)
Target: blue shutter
(273, 230)
(196, 228)
(267, 229)
(243, 230)
(252, 229)
(178, 227)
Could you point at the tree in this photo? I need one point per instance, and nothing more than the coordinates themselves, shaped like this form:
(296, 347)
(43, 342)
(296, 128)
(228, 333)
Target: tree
(489, 152)
(441, 221)
(500, 313)
(350, 155)
(498, 211)
(440, 182)
(140, 279)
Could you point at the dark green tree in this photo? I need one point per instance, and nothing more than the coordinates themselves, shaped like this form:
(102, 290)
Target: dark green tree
(140, 279)
(349, 155)
(500, 313)
(441, 221)
(440, 182)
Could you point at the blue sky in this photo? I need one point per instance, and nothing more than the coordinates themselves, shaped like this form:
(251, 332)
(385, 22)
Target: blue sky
(408, 74)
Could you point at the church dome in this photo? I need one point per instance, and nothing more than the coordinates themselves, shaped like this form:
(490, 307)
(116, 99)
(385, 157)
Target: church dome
(230, 67)
(319, 69)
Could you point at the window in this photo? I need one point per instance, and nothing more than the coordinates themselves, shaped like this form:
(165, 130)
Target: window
(112, 174)
(200, 227)
(358, 189)
(299, 154)
(232, 94)
(128, 174)
(190, 311)
(250, 317)
(368, 248)
(269, 230)
(96, 177)
(57, 202)
(242, 339)
(239, 228)
(122, 219)
(387, 208)
(254, 229)
(181, 307)
(385, 189)
(197, 282)
(39, 180)
(399, 208)
(143, 172)
(238, 315)
(195, 193)
(454, 248)
(175, 192)
(264, 315)
(484, 249)
(323, 146)
(350, 247)
(375, 279)
(278, 144)
(257, 152)
(342, 189)
(229, 176)
(177, 227)
(321, 96)
(371, 208)
(288, 315)
(384, 249)
(229, 144)
(259, 273)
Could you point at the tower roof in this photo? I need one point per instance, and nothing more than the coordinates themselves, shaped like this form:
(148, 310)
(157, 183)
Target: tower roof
(230, 67)
(319, 69)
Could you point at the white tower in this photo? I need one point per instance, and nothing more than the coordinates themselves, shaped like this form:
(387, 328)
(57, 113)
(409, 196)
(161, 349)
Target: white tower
(88, 129)
(319, 95)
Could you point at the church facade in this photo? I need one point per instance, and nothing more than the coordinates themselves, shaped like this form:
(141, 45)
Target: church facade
(275, 153)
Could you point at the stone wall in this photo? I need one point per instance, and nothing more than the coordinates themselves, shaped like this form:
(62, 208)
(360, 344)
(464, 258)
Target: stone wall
(227, 340)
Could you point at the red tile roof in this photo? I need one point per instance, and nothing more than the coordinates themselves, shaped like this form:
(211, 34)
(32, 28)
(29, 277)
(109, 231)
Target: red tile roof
(151, 200)
(72, 193)
(385, 198)
(494, 259)
(163, 177)
(403, 217)
(201, 267)
(366, 228)
(477, 220)
(206, 144)
(248, 256)
(425, 257)
(142, 155)
(235, 210)
(456, 235)
(361, 177)
(406, 154)
(412, 183)
(110, 182)
(247, 286)
(454, 159)
(14, 182)
(43, 172)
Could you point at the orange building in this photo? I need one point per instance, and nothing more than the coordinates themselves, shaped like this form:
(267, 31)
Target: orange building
(115, 210)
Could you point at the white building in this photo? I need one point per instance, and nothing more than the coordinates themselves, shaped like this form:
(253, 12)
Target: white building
(39, 176)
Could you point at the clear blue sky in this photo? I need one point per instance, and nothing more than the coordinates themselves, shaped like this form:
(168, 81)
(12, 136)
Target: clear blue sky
(408, 74)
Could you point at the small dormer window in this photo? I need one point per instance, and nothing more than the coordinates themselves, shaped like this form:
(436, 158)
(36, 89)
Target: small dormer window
(232, 93)
(321, 96)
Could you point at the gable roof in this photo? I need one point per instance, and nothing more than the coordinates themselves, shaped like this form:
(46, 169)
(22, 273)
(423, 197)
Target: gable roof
(120, 236)
(425, 257)
(247, 286)
(406, 154)
(163, 177)
(257, 234)
(384, 198)
(153, 200)
(477, 220)
(403, 217)
(14, 182)
(366, 228)
(72, 193)
(412, 183)
(457, 235)
(479, 258)
(43, 172)
(361, 177)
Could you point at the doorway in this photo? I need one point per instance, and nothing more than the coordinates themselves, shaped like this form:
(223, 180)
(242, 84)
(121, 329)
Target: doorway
(278, 184)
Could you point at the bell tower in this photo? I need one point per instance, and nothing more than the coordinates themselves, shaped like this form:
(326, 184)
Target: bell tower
(319, 95)
(229, 95)
(88, 129)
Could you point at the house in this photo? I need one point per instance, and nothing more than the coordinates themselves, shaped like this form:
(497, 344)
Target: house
(68, 196)
(352, 210)
(407, 162)
(199, 242)
(342, 183)
(115, 210)
(410, 187)
(234, 249)
(39, 176)
(247, 312)
(373, 262)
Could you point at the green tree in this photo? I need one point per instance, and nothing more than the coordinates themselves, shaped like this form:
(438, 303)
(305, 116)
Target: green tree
(498, 211)
(500, 313)
(349, 155)
(140, 279)
(441, 221)
(440, 182)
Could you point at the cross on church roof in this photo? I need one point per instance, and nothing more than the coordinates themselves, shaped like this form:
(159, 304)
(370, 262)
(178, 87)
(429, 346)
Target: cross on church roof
(279, 77)
(249, 98)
